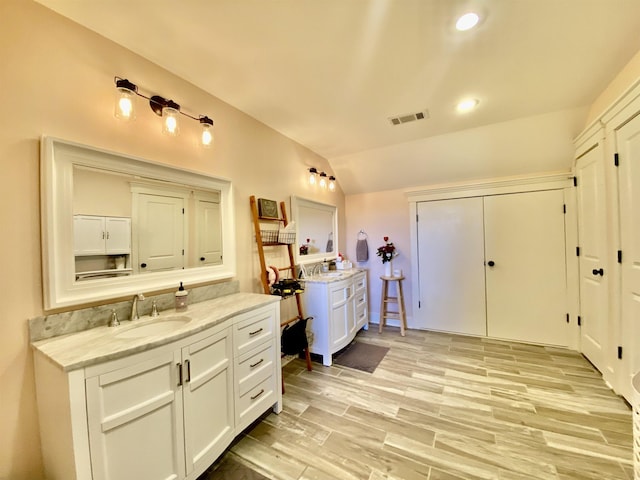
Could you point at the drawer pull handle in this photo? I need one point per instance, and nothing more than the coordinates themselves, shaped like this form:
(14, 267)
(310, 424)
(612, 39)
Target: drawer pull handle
(256, 332)
(257, 363)
(257, 394)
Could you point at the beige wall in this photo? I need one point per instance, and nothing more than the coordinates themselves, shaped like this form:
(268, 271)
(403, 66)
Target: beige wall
(381, 214)
(629, 75)
(57, 79)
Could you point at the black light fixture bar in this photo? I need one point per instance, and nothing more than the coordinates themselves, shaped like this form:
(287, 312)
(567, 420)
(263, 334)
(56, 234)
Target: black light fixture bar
(157, 103)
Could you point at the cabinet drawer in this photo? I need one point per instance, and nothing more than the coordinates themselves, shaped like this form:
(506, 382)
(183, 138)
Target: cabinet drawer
(360, 283)
(255, 366)
(255, 401)
(361, 299)
(253, 331)
(361, 315)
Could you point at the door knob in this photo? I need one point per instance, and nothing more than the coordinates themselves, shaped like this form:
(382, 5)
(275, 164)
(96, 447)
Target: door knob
(143, 265)
(491, 263)
(202, 259)
(598, 271)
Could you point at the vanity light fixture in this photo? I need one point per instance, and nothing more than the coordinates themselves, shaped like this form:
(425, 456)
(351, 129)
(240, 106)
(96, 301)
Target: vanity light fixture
(167, 109)
(312, 176)
(332, 183)
(323, 180)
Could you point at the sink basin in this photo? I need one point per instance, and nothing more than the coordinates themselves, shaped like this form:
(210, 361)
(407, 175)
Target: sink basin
(155, 327)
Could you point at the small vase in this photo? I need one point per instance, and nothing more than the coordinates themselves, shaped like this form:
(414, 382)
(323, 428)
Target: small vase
(388, 269)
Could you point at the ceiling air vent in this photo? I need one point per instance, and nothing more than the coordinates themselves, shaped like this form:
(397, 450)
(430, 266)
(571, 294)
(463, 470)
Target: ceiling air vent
(409, 117)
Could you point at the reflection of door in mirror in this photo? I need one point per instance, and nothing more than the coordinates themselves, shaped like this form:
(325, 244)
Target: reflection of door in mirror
(208, 248)
(159, 232)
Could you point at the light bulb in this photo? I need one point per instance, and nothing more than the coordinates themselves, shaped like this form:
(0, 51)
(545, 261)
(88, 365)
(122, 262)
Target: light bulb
(332, 183)
(170, 122)
(207, 131)
(323, 180)
(125, 97)
(312, 176)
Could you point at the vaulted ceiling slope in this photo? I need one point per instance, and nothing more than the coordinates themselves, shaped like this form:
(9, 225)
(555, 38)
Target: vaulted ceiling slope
(330, 73)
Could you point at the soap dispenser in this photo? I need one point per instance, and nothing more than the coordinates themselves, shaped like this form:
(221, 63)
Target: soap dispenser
(181, 299)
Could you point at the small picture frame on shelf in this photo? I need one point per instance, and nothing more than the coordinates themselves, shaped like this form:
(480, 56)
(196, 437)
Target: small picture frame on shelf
(268, 208)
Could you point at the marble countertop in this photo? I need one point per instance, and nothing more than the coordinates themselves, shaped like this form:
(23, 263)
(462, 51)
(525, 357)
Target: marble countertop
(101, 344)
(332, 276)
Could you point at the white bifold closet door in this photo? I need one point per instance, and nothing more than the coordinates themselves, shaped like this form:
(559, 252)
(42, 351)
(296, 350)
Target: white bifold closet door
(526, 286)
(451, 271)
(523, 295)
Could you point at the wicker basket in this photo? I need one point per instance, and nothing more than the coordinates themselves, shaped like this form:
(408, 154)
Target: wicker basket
(276, 236)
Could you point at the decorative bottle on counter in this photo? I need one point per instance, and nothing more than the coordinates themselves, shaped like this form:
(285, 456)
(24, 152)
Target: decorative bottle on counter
(181, 299)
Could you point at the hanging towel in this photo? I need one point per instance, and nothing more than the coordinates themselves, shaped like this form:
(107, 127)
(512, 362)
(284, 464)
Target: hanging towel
(362, 247)
(330, 243)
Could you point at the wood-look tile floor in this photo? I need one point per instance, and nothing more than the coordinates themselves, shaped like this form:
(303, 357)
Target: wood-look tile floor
(445, 407)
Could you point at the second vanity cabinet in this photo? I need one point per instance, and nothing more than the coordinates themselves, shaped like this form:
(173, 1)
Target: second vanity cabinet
(166, 412)
(339, 311)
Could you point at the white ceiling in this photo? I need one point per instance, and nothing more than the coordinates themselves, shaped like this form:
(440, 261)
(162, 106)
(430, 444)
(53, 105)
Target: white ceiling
(329, 74)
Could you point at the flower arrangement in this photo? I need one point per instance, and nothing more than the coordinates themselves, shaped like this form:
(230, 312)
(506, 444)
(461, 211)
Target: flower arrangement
(387, 251)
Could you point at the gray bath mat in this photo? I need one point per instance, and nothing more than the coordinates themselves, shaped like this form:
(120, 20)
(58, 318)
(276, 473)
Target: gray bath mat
(361, 356)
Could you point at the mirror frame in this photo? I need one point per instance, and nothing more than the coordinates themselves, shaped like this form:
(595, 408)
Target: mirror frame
(60, 288)
(296, 204)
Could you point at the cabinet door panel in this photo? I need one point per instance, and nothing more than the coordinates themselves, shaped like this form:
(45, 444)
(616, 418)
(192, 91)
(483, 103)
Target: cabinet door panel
(526, 287)
(118, 235)
(208, 399)
(123, 407)
(451, 272)
(88, 235)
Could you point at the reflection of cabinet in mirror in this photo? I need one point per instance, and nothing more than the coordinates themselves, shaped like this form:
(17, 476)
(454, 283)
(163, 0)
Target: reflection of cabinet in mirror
(101, 245)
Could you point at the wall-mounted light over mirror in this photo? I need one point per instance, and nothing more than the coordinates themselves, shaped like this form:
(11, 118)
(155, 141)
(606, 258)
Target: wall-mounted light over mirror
(114, 225)
(320, 179)
(316, 230)
(125, 108)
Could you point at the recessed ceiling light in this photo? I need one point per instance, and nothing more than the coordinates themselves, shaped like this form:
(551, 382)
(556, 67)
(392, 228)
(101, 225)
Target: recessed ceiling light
(467, 105)
(467, 21)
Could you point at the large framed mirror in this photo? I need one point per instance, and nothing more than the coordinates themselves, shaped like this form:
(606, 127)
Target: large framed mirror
(316, 230)
(115, 225)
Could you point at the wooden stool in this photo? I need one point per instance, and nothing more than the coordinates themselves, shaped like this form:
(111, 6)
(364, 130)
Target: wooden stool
(401, 314)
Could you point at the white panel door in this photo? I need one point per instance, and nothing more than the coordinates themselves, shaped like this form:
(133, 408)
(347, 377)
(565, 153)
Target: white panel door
(628, 144)
(592, 240)
(209, 233)
(525, 273)
(160, 233)
(451, 273)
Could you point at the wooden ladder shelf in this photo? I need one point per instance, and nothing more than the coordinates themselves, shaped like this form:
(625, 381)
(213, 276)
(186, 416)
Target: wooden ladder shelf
(291, 268)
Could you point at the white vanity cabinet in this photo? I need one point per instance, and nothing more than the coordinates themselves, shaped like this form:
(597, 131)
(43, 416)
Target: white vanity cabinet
(165, 413)
(95, 235)
(339, 311)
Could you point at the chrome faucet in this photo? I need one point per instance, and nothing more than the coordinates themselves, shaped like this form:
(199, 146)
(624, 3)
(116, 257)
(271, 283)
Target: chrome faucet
(134, 306)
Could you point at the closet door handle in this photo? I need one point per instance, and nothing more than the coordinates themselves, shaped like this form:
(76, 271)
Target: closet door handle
(598, 271)
(491, 263)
